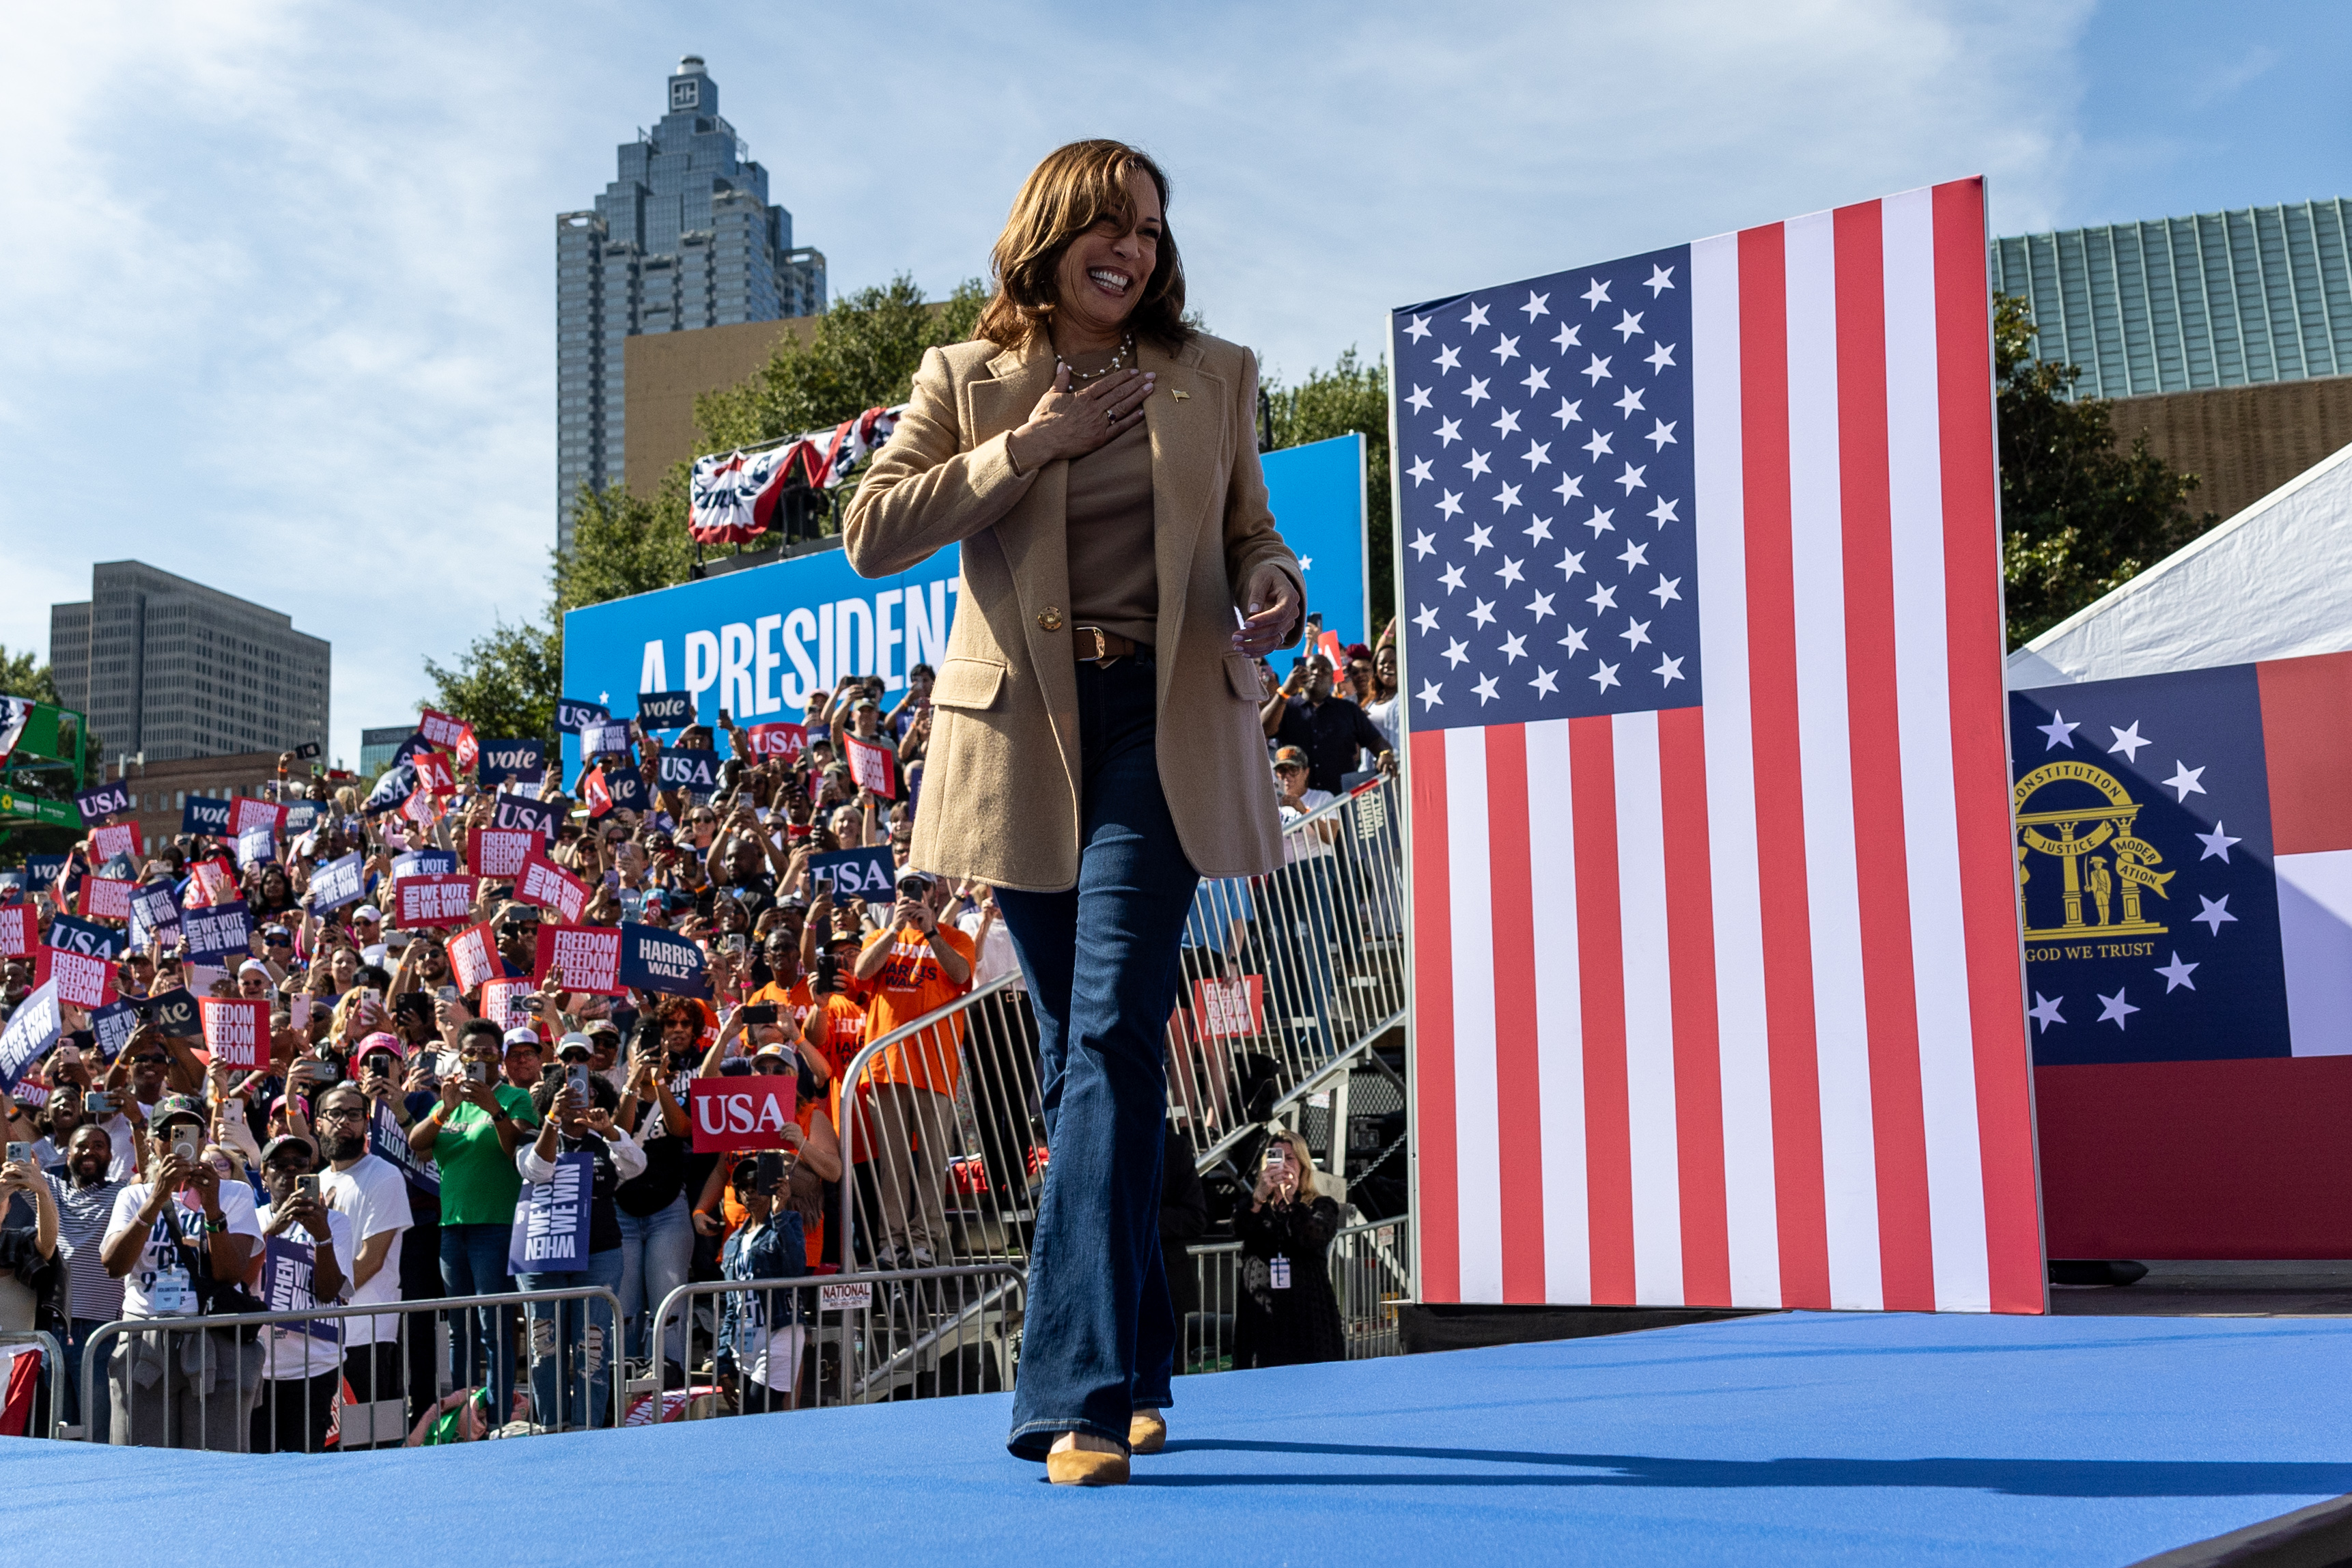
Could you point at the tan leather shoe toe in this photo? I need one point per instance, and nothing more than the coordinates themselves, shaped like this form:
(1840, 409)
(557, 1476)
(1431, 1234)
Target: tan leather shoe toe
(1079, 1467)
(1147, 1432)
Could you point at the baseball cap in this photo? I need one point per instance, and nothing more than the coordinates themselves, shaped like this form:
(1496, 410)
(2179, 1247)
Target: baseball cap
(772, 1048)
(575, 1042)
(368, 912)
(287, 1140)
(521, 1035)
(280, 1103)
(602, 1027)
(380, 1041)
(174, 1107)
(252, 965)
(1290, 757)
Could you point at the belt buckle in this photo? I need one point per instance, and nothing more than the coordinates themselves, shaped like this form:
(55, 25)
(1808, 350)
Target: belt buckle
(1102, 657)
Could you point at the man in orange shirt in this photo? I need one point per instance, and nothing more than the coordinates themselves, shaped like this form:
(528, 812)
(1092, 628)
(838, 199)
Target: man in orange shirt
(915, 966)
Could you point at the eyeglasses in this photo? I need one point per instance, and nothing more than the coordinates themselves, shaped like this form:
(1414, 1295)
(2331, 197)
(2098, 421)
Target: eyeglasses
(342, 1113)
(770, 1066)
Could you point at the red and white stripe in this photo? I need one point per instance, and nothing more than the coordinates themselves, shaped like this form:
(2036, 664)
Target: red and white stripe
(1721, 1005)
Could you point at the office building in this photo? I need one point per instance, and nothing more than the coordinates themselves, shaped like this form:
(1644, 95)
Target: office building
(376, 747)
(684, 238)
(171, 670)
(2221, 299)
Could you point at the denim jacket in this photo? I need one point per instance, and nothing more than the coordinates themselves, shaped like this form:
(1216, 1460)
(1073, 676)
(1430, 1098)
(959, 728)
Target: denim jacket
(780, 1251)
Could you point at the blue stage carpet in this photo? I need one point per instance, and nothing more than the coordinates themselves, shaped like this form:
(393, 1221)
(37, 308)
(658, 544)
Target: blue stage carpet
(1798, 1438)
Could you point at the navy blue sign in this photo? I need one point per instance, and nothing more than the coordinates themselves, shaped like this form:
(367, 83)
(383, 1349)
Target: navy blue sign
(695, 772)
(409, 747)
(32, 1030)
(41, 871)
(119, 869)
(2150, 908)
(341, 882)
(425, 863)
(574, 716)
(605, 741)
(628, 787)
(392, 791)
(223, 930)
(550, 1224)
(301, 816)
(154, 912)
(113, 1024)
(103, 802)
(665, 709)
(868, 874)
(86, 937)
(387, 1141)
(654, 959)
(529, 816)
(206, 816)
(513, 762)
(173, 1013)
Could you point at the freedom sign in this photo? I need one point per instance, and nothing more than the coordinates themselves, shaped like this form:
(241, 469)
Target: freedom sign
(103, 801)
(655, 960)
(1228, 1009)
(868, 873)
(576, 716)
(502, 1004)
(691, 770)
(217, 931)
(17, 930)
(519, 760)
(773, 741)
(499, 852)
(586, 958)
(80, 978)
(32, 1030)
(665, 709)
(474, 956)
(543, 882)
(870, 765)
(431, 901)
(122, 838)
(337, 883)
(206, 816)
(106, 899)
(734, 1115)
(237, 1030)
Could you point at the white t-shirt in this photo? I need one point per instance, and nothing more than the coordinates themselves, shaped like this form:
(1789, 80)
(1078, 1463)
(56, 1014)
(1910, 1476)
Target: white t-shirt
(153, 1288)
(292, 1354)
(375, 1195)
(1298, 847)
(124, 1165)
(996, 955)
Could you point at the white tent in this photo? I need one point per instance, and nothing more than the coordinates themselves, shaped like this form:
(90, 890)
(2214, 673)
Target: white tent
(2274, 582)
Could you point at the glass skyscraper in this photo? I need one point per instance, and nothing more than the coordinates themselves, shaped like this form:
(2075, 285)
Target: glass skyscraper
(683, 237)
(2228, 298)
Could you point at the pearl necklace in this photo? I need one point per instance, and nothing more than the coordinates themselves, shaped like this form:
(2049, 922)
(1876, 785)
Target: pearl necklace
(1118, 361)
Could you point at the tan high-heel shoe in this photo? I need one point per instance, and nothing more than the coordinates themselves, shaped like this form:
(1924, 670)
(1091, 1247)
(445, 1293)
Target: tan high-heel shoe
(1147, 1432)
(1085, 1467)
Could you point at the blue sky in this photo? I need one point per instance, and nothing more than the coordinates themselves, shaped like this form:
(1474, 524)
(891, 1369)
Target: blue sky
(276, 312)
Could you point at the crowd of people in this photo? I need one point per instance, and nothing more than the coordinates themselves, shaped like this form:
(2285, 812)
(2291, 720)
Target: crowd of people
(415, 1102)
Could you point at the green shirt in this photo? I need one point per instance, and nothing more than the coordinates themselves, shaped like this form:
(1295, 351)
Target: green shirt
(479, 1182)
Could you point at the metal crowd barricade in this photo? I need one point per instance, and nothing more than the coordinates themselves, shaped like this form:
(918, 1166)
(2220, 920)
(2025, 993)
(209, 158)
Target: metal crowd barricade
(1370, 1272)
(206, 1373)
(1206, 1342)
(1287, 979)
(53, 1368)
(813, 1341)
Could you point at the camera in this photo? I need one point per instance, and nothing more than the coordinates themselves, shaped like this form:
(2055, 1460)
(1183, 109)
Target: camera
(914, 886)
(759, 1013)
(185, 1146)
(307, 1187)
(477, 1072)
(734, 942)
(20, 1153)
(576, 1080)
(97, 1102)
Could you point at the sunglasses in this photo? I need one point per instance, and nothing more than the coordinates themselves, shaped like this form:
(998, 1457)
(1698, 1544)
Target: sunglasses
(151, 1061)
(770, 1066)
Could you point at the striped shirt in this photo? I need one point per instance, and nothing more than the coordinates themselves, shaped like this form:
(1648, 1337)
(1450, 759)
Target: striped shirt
(82, 1215)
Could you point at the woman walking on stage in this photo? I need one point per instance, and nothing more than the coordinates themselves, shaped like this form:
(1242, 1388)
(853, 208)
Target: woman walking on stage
(1096, 748)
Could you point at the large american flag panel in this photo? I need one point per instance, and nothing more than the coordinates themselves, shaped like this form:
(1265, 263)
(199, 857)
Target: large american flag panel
(1716, 995)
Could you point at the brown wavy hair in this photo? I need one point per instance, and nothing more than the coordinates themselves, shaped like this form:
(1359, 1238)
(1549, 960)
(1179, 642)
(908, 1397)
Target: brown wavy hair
(1074, 189)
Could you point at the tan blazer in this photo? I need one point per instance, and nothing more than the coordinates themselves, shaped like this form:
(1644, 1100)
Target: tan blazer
(1001, 785)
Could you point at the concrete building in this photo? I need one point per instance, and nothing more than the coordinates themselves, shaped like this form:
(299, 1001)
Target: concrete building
(174, 670)
(376, 746)
(683, 237)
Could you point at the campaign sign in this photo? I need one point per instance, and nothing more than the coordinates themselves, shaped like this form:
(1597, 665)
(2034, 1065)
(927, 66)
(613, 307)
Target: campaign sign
(425, 863)
(499, 852)
(173, 1013)
(627, 787)
(106, 899)
(550, 1224)
(114, 1024)
(32, 1030)
(256, 847)
(217, 931)
(122, 838)
(665, 709)
(542, 881)
(207, 816)
(655, 960)
(247, 813)
(587, 958)
(392, 791)
(337, 883)
(441, 728)
(606, 740)
(773, 741)
(155, 914)
(736, 1114)
(502, 1004)
(695, 772)
(80, 978)
(431, 901)
(17, 930)
(868, 873)
(210, 881)
(527, 815)
(1228, 1009)
(575, 716)
(302, 816)
(473, 956)
(121, 868)
(41, 871)
(513, 762)
(12, 887)
(81, 936)
(103, 801)
(387, 1141)
(285, 1283)
(872, 766)
(237, 1030)
(433, 773)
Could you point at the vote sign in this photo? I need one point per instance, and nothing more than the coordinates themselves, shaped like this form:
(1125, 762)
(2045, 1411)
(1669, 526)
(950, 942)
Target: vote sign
(337, 883)
(513, 762)
(202, 815)
(666, 709)
(431, 901)
(731, 1115)
(217, 931)
(541, 881)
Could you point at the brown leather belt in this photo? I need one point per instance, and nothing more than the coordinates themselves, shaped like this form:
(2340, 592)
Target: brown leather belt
(1095, 645)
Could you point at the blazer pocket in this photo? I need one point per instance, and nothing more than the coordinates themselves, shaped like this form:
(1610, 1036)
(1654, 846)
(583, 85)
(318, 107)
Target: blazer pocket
(969, 683)
(1241, 674)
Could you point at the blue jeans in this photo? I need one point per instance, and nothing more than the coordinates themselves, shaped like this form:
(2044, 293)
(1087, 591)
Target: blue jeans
(1101, 964)
(70, 1407)
(572, 1346)
(481, 1351)
(656, 1254)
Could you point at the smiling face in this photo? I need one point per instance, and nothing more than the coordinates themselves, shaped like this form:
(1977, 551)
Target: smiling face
(1103, 273)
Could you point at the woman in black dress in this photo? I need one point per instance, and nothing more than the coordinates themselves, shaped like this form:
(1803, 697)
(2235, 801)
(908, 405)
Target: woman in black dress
(1286, 1315)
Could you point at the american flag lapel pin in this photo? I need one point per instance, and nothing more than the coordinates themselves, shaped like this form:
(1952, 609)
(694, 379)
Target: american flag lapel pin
(1180, 396)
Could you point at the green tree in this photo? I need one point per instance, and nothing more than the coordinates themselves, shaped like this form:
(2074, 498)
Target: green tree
(622, 544)
(26, 674)
(2078, 515)
(506, 684)
(1350, 397)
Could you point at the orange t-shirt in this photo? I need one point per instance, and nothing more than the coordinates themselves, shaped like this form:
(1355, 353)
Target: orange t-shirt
(911, 983)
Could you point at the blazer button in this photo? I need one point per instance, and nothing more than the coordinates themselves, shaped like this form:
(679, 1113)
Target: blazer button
(1049, 619)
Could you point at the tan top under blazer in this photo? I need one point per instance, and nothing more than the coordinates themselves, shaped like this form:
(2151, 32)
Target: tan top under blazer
(1001, 783)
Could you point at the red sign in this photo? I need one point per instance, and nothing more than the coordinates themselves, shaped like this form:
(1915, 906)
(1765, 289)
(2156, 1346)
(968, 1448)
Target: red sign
(502, 1004)
(441, 728)
(772, 740)
(499, 852)
(246, 813)
(81, 979)
(102, 898)
(237, 1030)
(445, 900)
(433, 775)
(211, 882)
(588, 958)
(543, 882)
(17, 930)
(421, 807)
(595, 791)
(869, 765)
(117, 838)
(734, 1114)
(473, 957)
(1230, 1008)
